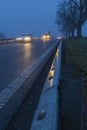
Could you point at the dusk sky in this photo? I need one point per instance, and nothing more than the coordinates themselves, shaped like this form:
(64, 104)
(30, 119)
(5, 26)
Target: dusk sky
(28, 16)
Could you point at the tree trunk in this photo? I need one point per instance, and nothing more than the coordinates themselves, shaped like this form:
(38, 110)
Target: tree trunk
(69, 34)
(79, 27)
(79, 31)
(72, 34)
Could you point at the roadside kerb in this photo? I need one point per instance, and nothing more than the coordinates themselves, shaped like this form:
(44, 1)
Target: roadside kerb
(12, 96)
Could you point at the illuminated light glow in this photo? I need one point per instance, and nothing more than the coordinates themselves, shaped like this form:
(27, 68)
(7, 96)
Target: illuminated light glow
(44, 37)
(48, 36)
(44, 40)
(60, 37)
(19, 38)
(27, 39)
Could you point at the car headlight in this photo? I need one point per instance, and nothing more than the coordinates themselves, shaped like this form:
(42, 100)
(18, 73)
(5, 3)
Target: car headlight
(48, 37)
(44, 37)
(27, 38)
(19, 39)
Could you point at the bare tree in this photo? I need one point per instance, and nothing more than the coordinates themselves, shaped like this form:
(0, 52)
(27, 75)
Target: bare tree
(81, 7)
(66, 18)
(71, 15)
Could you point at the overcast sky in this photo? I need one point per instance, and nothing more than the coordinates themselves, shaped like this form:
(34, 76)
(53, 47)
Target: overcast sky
(28, 16)
(19, 17)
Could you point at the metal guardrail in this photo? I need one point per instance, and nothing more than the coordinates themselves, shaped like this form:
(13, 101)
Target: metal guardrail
(47, 114)
(58, 66)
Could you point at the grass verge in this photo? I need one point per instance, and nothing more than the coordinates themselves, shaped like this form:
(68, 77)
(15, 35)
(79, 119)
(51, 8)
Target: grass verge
(77, 49)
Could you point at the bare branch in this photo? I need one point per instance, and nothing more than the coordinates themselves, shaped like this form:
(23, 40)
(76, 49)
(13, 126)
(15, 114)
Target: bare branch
(76, 5)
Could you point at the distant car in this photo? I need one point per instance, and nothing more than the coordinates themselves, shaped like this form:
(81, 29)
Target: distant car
(24, 38)
(27, 38)
(46, 36)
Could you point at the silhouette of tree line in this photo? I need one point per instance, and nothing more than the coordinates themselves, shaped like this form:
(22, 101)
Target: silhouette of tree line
(71, 15)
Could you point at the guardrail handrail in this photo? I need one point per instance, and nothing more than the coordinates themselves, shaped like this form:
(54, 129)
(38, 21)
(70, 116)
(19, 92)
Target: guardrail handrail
(57, 76)
(47, 114)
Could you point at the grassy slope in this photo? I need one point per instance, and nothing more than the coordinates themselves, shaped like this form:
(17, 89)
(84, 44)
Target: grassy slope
(77, 49)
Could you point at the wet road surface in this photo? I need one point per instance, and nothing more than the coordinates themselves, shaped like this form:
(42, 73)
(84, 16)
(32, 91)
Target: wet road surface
(15, 58)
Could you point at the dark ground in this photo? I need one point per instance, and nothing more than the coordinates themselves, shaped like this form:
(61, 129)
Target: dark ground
(71, 95)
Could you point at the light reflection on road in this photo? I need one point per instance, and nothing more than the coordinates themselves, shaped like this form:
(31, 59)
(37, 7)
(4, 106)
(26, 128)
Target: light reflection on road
(15, 58)
(27, 46)
(46, 40)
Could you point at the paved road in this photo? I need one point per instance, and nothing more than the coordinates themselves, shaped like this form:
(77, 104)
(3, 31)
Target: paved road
(15, 58)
